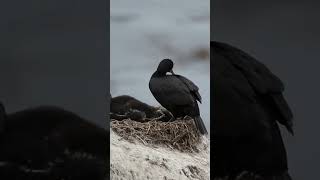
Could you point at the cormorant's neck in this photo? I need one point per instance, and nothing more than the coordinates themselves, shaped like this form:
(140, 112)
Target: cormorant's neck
(158, 74)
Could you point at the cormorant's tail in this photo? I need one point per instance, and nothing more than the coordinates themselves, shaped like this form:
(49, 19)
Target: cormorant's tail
(200, 125)
(285, 111)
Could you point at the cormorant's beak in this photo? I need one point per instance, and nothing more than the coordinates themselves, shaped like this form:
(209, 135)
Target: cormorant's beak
(171, 71)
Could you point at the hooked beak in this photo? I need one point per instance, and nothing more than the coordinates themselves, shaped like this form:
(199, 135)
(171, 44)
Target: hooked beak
(171, 71)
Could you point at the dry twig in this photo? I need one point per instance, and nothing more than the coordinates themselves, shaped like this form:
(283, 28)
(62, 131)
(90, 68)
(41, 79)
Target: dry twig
(180, 134)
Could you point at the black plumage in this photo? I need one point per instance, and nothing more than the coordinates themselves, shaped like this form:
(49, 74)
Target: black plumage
(247, 104)
(176, 93)
(124, 106)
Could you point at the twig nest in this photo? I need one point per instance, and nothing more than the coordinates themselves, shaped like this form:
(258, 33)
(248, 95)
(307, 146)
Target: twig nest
(180, 134)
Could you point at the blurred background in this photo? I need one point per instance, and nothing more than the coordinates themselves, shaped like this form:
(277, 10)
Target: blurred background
(285, 36)
(144, 33)
(55, 53)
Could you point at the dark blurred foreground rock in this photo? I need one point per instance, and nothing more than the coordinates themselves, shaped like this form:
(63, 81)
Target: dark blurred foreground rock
(50, 143)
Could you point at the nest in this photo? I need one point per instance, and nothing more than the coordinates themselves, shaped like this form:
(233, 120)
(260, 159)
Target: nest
(180, 134)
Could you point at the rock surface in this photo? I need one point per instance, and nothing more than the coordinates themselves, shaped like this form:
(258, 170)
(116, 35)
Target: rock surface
(135, 161)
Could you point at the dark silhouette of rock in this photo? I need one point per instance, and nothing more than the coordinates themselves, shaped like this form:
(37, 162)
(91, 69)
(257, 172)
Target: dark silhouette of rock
(38, 140)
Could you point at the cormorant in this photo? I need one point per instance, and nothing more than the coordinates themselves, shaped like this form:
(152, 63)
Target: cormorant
(176, 93)
(122, 104)
(247, 104)
(125, 106)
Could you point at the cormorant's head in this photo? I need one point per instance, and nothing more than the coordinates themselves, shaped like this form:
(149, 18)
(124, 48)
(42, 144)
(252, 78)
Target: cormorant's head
(165, 66)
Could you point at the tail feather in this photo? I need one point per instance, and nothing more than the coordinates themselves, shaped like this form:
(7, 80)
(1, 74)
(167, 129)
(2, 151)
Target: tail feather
(285, 111)
(200, 125)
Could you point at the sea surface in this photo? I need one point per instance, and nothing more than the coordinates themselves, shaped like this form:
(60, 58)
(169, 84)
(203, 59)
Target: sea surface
(145, 32)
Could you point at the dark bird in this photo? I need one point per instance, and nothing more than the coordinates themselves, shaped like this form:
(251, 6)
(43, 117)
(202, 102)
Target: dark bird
(176, 93)
(125, 106)
(247, 104)
(37, 142)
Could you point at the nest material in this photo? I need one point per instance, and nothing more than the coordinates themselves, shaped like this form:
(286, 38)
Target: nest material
(180, 134)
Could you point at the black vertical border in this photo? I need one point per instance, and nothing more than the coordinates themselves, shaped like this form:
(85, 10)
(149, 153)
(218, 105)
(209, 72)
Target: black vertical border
(108, 80)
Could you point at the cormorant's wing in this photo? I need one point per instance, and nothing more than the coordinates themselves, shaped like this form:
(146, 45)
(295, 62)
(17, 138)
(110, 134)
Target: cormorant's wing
(260, 78)
(191, 86)
(170, 90)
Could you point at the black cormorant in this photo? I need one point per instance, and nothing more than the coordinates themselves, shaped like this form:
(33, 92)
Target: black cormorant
(124, 106)
(176, 93)
(247, 104)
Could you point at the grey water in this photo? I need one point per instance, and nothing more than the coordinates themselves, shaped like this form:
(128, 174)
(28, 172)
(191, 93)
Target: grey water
(144, 32)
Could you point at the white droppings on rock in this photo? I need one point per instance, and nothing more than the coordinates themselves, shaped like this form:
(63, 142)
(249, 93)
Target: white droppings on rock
(135, 161)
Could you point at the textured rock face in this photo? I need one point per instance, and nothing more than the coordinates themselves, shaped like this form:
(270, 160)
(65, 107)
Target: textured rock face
(135, 161)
